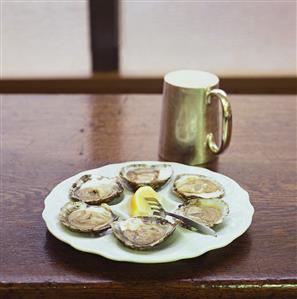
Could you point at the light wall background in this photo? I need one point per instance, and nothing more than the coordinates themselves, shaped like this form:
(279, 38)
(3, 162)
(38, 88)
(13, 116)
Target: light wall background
(45, 38)
(232, 38)
(50, 38)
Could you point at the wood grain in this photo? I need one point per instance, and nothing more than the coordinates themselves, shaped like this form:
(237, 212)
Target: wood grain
(113, 83)
(104, 35)
(46, 139)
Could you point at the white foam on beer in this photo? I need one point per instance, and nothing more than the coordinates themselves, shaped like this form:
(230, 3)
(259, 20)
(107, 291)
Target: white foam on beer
(191, 79)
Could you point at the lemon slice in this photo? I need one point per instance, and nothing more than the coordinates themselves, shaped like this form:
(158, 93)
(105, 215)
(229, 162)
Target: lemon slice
(138, 205)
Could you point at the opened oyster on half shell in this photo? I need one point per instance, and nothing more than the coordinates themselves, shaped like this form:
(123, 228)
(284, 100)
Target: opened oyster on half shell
(96, 190)
(206, 211)
(80, 217)
(143, 232)
(190, 186)
(138, 175)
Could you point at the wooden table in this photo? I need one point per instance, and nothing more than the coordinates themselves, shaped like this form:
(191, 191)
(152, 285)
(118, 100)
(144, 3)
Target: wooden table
(49, 138)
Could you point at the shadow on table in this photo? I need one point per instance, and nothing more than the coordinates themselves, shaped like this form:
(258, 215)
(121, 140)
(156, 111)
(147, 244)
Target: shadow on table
(88, 266)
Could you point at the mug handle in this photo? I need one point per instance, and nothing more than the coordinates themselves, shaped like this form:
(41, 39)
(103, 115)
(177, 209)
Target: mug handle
(227, 123)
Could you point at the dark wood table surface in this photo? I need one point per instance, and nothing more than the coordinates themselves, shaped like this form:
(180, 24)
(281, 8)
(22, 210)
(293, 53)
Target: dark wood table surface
(47, 138)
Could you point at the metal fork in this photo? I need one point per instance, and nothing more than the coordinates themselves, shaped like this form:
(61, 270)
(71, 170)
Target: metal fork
(158, 210)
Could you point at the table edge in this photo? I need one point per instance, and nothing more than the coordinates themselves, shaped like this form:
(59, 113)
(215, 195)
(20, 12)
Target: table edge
(227, 284)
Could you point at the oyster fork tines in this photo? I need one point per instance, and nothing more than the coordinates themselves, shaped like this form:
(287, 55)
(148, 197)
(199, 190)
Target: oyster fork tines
(158, 210)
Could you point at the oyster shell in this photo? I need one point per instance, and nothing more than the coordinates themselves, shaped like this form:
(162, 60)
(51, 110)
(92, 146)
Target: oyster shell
(143, 232)
(189, 186)
(205, 211)
(137, 175)
(96, 190)
(80, 217)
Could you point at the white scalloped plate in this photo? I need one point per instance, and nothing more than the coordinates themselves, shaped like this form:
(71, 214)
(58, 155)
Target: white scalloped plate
(182, 245)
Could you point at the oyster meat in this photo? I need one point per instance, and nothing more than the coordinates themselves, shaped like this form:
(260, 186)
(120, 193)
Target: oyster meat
(137, 175)
(96, 190)
(189, 186)
(142, 232)
(205, 211)
(80, 217)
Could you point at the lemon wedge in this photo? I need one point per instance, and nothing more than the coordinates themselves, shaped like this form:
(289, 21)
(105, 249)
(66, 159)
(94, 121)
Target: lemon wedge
(138, 205)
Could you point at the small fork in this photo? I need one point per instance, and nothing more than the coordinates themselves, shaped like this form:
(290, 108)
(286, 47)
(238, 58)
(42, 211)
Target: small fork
(158, 210)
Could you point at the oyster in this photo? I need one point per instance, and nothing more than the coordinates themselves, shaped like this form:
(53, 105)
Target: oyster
(137, 175)
(205, 211)
(143, 232)
(80, 217)
(96, 190)
(189, 186)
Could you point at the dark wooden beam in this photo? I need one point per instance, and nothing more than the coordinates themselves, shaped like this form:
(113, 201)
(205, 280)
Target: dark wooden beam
(104, 35)
(117, 85)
